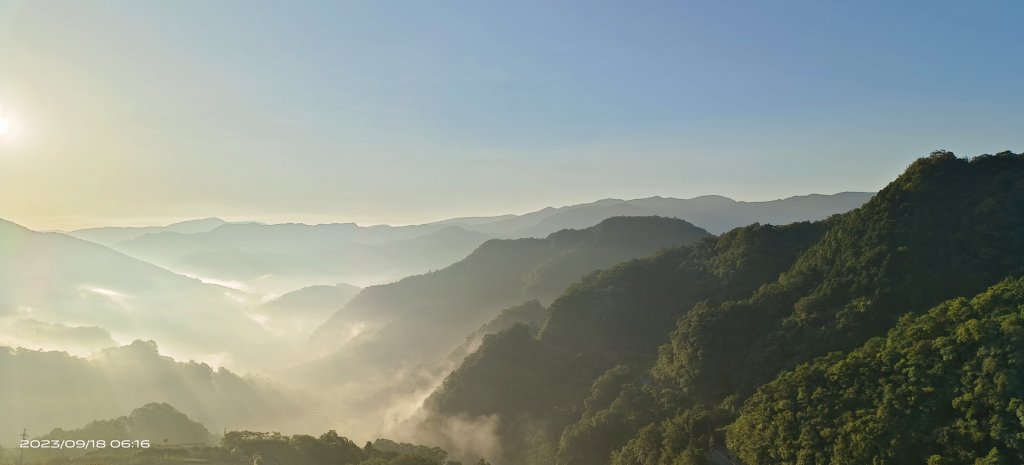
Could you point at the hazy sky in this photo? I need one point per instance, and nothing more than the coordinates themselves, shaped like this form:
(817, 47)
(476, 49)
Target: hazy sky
(409, 111)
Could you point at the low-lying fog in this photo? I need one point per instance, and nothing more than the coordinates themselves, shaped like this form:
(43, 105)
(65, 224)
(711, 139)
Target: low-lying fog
(304, 328)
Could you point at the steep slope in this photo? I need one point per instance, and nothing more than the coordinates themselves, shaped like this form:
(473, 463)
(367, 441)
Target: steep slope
(278, 258)
(44, 390)
(616, 317)
(319, 301)
(54, 278)
(159, 426)
(501, 273)
(531, 314)
(944, 387)
(303, 310)
(396, 335)
(947, 227)
(154, 422)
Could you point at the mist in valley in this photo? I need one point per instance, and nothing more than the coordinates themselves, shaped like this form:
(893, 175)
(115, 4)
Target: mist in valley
(100, 322)
(511, 233)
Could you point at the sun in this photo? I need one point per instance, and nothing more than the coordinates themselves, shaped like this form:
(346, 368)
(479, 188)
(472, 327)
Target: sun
(5, 126)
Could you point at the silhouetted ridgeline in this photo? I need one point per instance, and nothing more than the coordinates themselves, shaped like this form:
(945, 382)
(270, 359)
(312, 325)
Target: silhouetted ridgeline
(44, 390)
(395, 339)
(156, 422)
(944, 387)
(714, 213)
(111, 235)
(641, 340)
(277, 258)
(595, 387)
(58, 279)
(157, 434)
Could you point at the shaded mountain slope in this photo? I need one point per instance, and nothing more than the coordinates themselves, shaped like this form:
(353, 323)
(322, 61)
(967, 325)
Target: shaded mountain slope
(531, 314)
(618, 316)
(278, 258)
(947, 227)
(303, 310)
(54, 278)
(501, 273)
(400, 334)
(944, 387)
(44, 390)
(312, 301)
(155, 422)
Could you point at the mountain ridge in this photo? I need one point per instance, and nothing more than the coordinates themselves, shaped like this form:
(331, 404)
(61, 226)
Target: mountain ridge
(54, 388)
(89, 284)
(406, 330)
(747, 305)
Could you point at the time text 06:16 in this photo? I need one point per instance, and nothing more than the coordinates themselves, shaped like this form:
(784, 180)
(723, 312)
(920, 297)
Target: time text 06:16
(84, 444)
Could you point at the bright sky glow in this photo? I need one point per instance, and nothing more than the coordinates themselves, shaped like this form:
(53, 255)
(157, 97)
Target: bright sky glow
(406, 111)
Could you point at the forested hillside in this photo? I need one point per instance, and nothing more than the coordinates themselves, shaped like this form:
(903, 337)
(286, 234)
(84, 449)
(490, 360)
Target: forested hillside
(501, 273)
(156, 422)
(157, 434)
(389, 347)
(595, 387)
(520, 232)
(612, 321)
(40, 390)
(74, 290)
(940, 388)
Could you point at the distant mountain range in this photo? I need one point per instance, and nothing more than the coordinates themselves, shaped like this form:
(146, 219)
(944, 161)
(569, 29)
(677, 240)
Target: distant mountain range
(277, 258)
(888, 334)
(394, 339)
(304, 310)
(74, 293)
(61, 282)
(112, 235)
(714, 213)
(886, 328)
(45, 390)
(243, 294)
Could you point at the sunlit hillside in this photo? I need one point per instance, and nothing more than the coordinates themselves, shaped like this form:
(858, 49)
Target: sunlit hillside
(406, 232)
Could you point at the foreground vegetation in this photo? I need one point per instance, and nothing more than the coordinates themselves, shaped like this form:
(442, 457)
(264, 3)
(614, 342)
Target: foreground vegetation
(889, 335)
(256, 448)
(775, 331)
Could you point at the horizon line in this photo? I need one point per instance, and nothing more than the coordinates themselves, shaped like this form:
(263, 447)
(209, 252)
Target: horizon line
(165, 221)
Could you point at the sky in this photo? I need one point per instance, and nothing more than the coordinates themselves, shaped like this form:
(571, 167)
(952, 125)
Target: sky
(400, 112)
